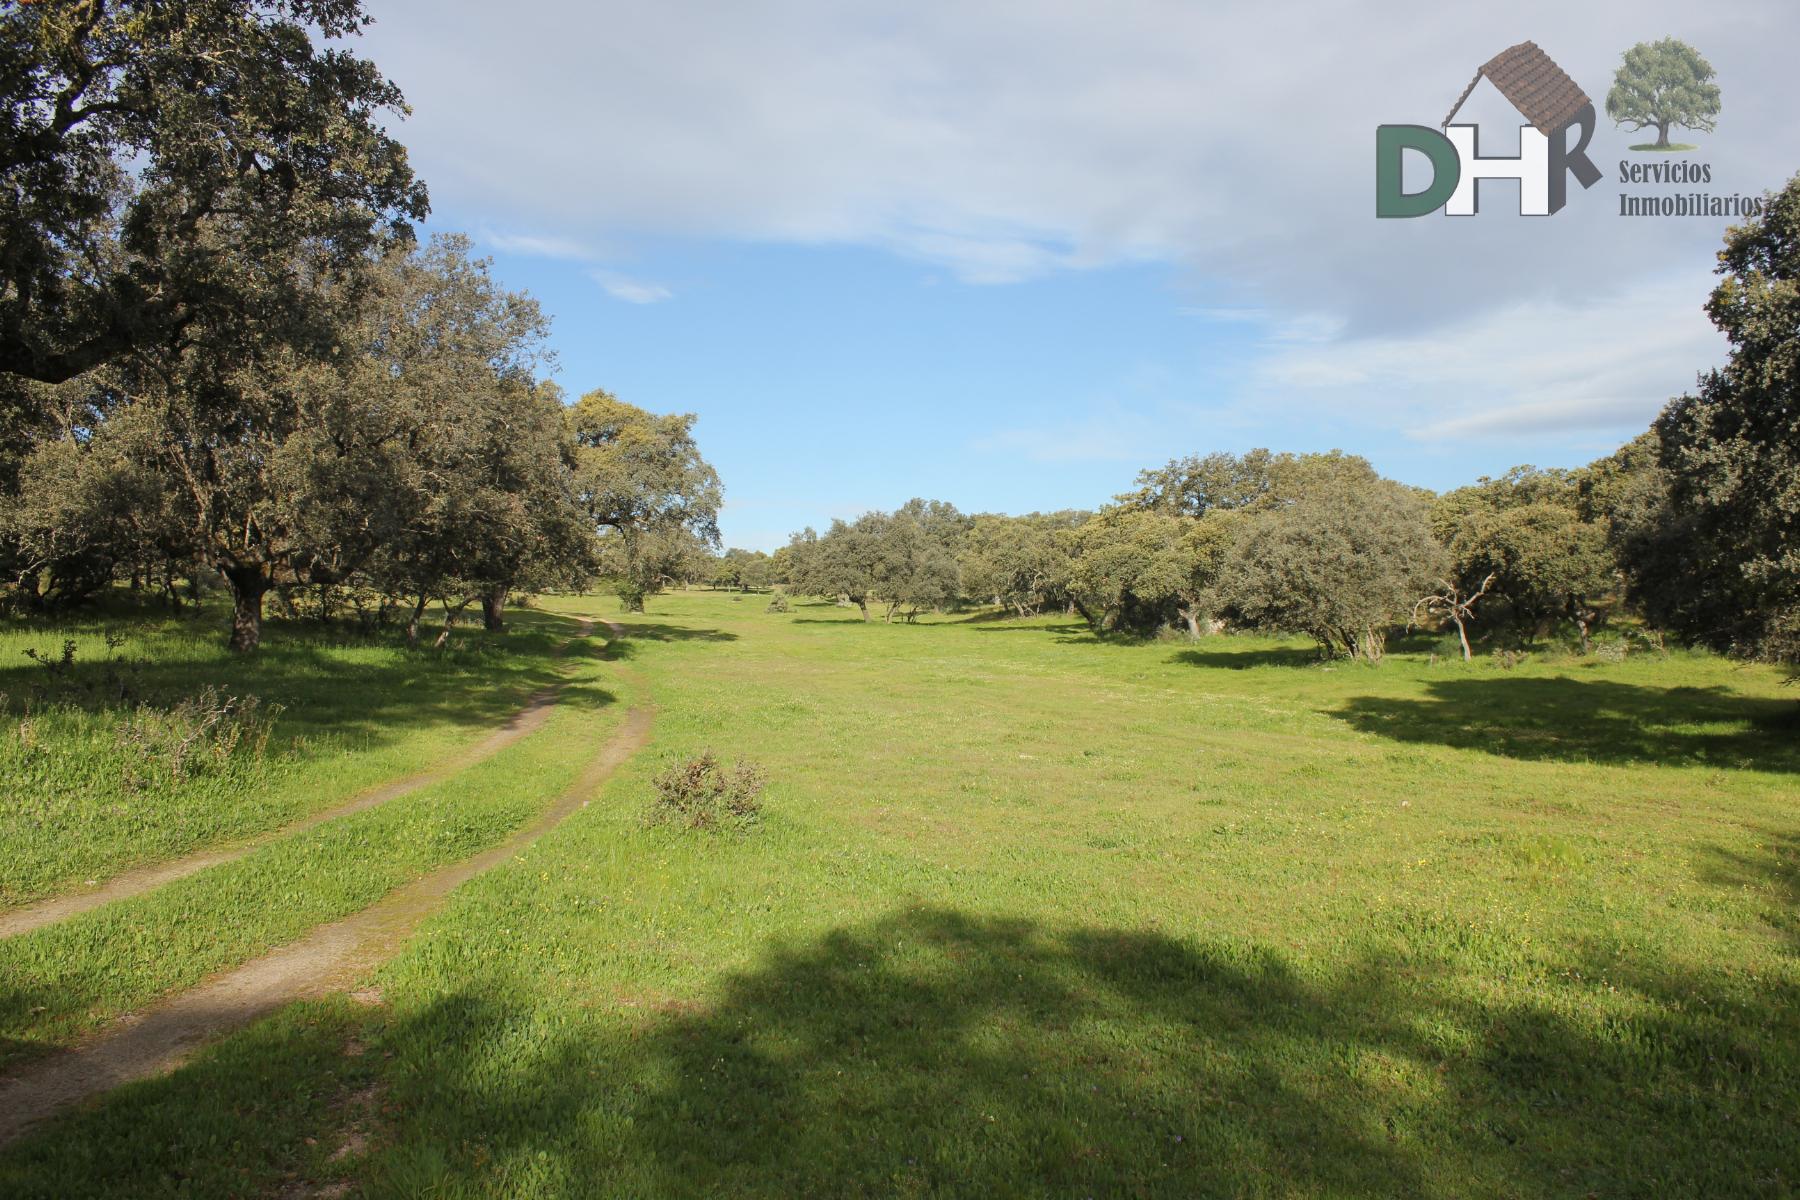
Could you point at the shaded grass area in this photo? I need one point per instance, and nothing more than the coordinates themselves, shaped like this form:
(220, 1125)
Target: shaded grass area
(83, 797)
(1573, 719)
(930, 1052)
(62, 981)
(270, 1106)
(1038, 915)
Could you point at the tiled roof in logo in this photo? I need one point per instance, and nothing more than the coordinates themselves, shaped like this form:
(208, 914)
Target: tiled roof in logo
(1534, 85)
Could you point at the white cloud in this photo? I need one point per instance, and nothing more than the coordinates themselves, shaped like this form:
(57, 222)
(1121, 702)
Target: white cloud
(632, 291)
(1013, 139)
(537, 246)
(1533, 420)
(1225, 315)
(1608, 362)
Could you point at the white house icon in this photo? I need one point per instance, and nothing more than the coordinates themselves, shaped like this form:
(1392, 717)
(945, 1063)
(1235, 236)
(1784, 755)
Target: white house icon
(1550, 101)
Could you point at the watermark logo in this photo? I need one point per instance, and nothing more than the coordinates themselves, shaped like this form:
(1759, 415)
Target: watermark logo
(1658, 86)
(1552, 147)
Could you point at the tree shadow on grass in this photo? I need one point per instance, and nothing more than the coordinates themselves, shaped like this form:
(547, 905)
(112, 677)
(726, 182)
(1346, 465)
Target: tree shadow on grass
(1770, 870)
(1240, 659)
(621, 648)
(1597, 721)
(314, 672)
(652, 631)
(1060, 627)
(936, 1053)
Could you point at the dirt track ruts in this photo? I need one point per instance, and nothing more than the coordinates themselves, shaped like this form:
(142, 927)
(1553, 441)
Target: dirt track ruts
(139, 880)
(328, 959)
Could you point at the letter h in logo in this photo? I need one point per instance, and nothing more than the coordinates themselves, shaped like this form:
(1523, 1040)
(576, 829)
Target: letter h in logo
(1531, 168)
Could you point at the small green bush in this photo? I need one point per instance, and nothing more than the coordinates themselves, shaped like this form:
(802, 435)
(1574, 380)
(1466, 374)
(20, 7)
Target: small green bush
(702, 793)
(778, 603)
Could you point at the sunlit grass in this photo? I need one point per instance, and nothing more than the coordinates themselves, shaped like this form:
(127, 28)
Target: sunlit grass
(80, 799)
(1031, 914)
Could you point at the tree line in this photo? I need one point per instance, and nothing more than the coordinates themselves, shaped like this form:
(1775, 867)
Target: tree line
(225, 354)
(1694, 526)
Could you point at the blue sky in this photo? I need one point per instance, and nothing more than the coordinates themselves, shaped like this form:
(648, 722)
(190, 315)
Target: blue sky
(1008, 255)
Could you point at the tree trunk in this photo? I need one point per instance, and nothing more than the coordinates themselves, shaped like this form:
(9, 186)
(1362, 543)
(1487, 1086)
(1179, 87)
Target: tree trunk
(450, 615)
(888, 617)
(863, 604)
(493, 604)
(1192, 617)
(1462, 635)
(412, 622)
(1662, 135)
(248, 584)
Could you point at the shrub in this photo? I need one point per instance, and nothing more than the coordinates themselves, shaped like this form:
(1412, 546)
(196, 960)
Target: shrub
(778, 603)
(1612, 650)
(197, 735)
(702, 793)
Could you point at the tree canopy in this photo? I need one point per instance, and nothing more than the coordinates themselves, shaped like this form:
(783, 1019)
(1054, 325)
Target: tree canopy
(1662, 84)
(1730, 453)
(1342, 561)
(642, 482)
(167, 165)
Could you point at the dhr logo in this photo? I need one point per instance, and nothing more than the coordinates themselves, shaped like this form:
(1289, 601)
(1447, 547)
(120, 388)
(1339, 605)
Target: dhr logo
(1546, 97)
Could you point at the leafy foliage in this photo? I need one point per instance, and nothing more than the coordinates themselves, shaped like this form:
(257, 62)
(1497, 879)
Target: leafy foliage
(1731, 453)
(1527, 535)
(1342, 562)
(640, 478)
(171, 163)
(702, 793)
(1660, 84)
(907, 559)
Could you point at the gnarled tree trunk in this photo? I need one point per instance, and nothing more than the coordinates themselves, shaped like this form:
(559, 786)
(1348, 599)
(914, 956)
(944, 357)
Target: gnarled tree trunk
(493, 604)
(248, 586)
(412, 622)
(451, 612)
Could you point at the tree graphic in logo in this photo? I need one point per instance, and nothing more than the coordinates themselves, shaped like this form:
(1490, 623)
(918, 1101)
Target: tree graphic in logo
(1660, 85)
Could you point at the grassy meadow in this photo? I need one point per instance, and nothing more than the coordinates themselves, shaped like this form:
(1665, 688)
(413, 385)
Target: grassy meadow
(87, 781)
(1026, 913)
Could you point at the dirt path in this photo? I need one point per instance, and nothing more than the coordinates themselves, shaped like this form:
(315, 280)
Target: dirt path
(143, 879)
(329, 959)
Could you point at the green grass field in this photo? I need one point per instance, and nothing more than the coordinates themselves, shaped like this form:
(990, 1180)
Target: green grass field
(82, 797)
(1027, 914)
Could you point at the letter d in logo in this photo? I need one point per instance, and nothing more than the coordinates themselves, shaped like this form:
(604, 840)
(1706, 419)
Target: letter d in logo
(1391, 143)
